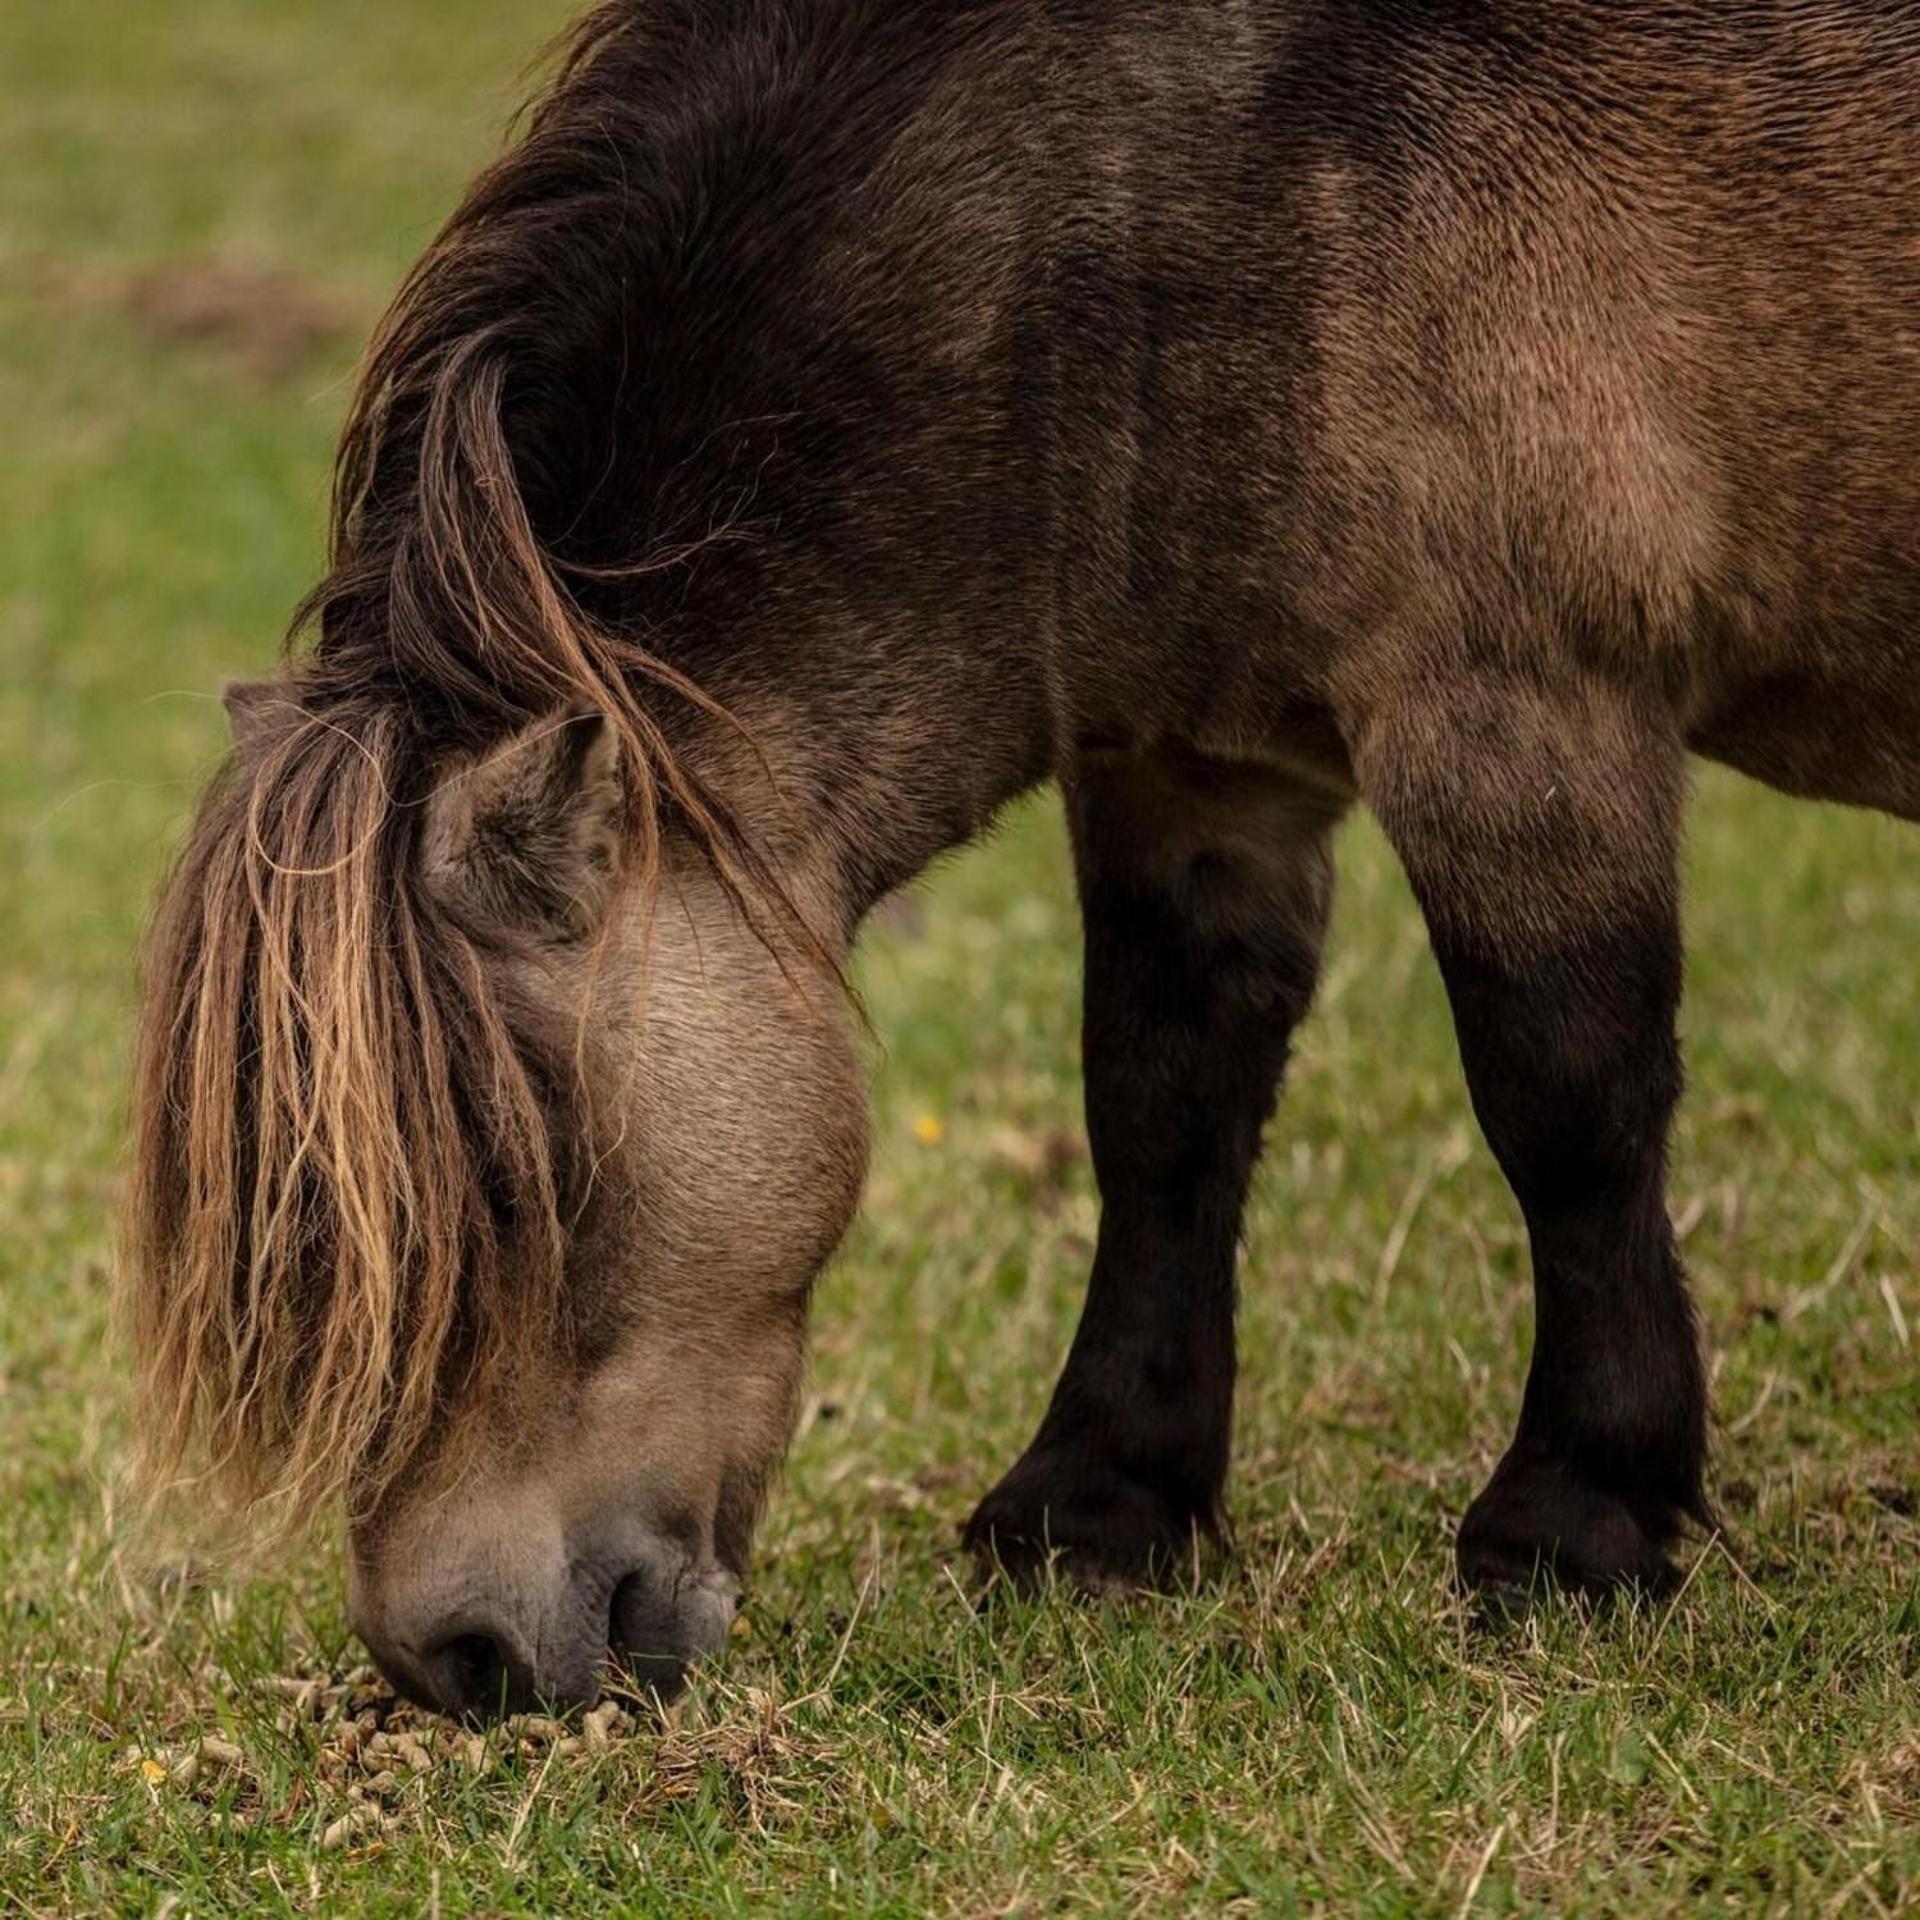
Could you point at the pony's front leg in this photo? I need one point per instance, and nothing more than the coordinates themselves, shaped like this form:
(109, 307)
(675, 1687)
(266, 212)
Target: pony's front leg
(1204, 889)
(1539, 826)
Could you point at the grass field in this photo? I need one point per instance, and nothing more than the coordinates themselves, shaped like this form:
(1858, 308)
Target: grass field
(200, 210)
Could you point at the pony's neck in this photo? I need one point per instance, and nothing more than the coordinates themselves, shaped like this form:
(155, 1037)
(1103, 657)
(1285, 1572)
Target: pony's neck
(877, 618)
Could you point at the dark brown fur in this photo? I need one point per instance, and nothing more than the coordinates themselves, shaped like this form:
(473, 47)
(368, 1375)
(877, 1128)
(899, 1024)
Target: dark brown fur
(1230, 409)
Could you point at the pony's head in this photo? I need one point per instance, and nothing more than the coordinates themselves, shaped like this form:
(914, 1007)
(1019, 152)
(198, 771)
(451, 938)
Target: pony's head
(497, 1101)
(483, 1180)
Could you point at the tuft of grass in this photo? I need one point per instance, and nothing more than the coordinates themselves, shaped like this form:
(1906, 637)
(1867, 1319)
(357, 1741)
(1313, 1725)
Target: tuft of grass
(199, 210)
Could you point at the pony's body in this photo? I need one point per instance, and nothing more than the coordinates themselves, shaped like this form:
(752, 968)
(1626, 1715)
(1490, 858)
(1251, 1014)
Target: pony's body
(1230, 410)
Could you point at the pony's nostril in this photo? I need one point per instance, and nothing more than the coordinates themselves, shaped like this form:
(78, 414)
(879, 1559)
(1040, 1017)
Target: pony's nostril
(645, 1639)
(473, 1676)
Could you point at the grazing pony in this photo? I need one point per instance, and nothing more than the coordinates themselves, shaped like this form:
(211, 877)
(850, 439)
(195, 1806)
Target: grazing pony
(835, 417)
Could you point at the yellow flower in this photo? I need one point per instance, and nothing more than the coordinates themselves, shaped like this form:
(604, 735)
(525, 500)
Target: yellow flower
(929, 1129)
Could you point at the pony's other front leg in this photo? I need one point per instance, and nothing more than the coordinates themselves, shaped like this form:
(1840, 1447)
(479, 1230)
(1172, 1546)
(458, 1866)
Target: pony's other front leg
(1204, 890)
(1539, 827)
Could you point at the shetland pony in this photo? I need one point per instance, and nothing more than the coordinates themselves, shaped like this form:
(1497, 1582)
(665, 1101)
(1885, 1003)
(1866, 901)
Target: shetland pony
(835, 417)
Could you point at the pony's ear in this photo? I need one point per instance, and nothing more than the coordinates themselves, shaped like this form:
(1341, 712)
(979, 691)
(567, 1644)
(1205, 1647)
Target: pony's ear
(261, 713)
(526, 839)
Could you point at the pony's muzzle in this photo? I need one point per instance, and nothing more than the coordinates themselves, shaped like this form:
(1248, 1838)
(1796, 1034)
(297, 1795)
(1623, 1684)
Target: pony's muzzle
(476, 1649)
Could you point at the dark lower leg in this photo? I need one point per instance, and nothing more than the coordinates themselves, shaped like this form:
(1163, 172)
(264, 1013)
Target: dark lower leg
(1204, 907)
(1574, 1070)
(1540, 830)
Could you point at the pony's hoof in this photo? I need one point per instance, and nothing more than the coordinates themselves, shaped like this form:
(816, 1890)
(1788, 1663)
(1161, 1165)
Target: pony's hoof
(1086, 1524)
(1541, 1528)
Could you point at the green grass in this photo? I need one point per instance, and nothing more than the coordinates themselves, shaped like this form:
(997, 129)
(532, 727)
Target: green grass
(1320, 1727)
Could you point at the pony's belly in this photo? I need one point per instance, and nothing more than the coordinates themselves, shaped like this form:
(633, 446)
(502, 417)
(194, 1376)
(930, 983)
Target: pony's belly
(1856, 742)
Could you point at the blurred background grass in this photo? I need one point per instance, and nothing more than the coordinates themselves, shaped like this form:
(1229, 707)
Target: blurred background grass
(201, 211)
